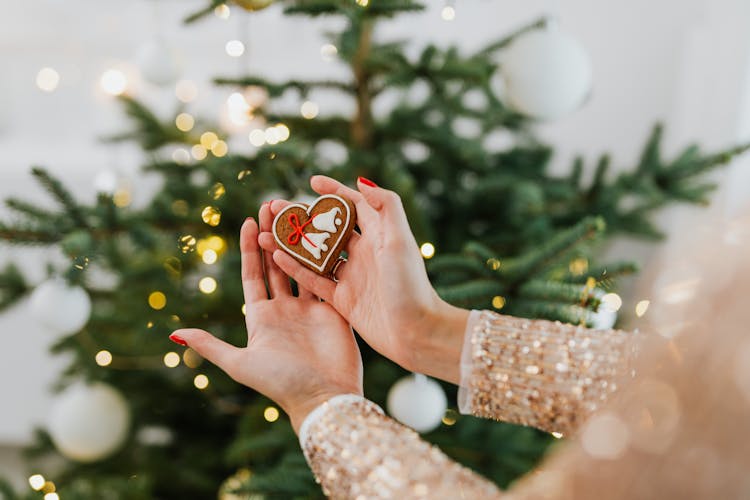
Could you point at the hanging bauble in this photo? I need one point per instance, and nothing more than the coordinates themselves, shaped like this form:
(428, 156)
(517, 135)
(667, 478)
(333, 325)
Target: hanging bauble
(418, 402)
(252, 5)
(61, 307)
(89, 422)
(603, 319)
(547, 74)
(159, 63)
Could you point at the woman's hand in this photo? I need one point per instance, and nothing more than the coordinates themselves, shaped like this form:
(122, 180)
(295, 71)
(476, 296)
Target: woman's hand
(300, 352)
(383, 290)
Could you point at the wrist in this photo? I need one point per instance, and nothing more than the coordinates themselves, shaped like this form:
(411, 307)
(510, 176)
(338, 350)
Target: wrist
(299, 412)
(436, 350)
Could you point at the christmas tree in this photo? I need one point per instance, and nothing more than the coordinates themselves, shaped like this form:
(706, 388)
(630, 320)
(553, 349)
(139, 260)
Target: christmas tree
(498, 231)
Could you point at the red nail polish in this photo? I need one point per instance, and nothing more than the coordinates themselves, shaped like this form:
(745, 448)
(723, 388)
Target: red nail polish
(367, 182)
(177, 339)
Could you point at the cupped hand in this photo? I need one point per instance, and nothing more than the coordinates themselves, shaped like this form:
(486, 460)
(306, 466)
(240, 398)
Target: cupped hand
(300, 352)
(383, 290)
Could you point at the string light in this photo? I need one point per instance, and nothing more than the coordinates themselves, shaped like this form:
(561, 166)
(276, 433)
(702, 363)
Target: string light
(199, 152)
(222, 11)
(181, 156)
(498, 302)
(209, 256)
(113, 82)
(191, 358)
(217, 190)
(257, 137)
(184, 122)
(557, 435)
(171, 359)
(186, 91)
(239, 110)
(493, 264)
(47, 79)
(103, 358)
(363, 3)
(448, 13)
(209, 139)
(150, 324)
(213, 242)
(309, 110)
(122, 198)
(641, 307)
(271, 414)
(220, 149)
(36, 482)
(211, 216)
(187, 243)
(579, 266)
(282, 132)
(450, 417)
(235, 48)
(51, 496)
(427, 250)
(207, 285)
(157, 300)
(200, 381)
(328, 52)
(244, 309)
(611, 301)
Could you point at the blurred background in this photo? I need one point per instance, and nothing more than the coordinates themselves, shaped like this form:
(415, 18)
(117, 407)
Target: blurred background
(685, 63)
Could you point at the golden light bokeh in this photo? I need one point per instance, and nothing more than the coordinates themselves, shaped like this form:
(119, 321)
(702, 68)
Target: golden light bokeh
(498, 302)
(171, 359)
(309, 110)
(207, 285)
(103, 358)
(36, 482)
(113, 82)
(271, 414)
(184, 122)
(47, 79)
(427, 250)
(209, 256)
(211, 216)
(157, 300)
(200, 381)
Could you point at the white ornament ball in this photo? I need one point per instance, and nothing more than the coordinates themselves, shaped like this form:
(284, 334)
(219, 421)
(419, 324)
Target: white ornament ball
(89, 422)
(418, 402)
(547, 74)
(61, 307)
(159, 63)
(604, 318)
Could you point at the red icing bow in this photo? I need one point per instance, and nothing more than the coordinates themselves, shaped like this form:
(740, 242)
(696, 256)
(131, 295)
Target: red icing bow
(295, 237)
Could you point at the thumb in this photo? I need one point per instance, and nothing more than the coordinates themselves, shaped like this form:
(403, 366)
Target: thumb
(387, 204)
(213, 349)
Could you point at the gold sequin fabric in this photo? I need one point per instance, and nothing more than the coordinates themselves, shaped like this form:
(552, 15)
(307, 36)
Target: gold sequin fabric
(357, 452)
(539, 373)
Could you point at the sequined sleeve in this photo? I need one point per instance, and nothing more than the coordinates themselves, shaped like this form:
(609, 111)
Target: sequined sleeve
(539, 373)
(356, 452)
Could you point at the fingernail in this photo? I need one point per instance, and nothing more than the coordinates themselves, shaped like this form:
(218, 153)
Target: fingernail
(366, 182)
(249, 218)
(177, 339)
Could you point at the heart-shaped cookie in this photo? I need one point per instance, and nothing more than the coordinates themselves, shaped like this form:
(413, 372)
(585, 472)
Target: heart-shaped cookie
(315, 235)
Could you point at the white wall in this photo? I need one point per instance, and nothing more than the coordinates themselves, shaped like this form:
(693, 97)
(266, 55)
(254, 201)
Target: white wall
(684, 62)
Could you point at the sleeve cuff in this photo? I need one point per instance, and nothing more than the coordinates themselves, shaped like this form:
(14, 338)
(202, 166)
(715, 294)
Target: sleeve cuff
(464, 405)
(313, 416)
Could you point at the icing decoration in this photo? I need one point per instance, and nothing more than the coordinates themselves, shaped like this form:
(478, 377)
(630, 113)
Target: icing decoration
(316, 235)
(313, 243)
(327, 221)
(294, 237)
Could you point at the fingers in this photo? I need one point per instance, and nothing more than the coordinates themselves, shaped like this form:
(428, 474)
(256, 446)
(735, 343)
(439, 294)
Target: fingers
(278, 282)
(305, 294)
(325, 185)
(215, 350)
(253, 285)
(315, 283)
(388, 205)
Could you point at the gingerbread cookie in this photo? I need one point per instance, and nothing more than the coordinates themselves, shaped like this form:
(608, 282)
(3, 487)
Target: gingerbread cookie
(315, 235)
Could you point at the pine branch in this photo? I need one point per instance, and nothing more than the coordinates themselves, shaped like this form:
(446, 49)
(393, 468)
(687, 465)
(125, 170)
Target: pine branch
(150, 132)
(12, 286)
(277, 89)
(550, 251)
(61, 194)
(472, 292)
(554, 291)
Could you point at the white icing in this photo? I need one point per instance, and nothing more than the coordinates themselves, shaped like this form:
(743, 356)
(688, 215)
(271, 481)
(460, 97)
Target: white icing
(338, 222)
(313, 243)
(326, 221)
(307, 210)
